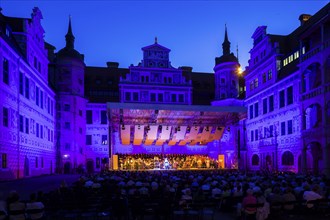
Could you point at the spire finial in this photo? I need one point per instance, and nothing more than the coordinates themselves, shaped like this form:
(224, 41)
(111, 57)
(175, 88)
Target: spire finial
(237, 52)
(156, 40)
(226, 43)
(69, 36)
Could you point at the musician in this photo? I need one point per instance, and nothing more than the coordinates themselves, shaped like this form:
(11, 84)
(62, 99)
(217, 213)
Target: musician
(166, 164)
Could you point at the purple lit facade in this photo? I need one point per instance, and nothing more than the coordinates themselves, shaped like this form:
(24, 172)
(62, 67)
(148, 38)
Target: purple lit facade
(27, 144)
(287, 97)
(154, 80)
(57, 114)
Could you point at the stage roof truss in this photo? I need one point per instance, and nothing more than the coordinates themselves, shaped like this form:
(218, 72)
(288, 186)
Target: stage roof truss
(171, 124)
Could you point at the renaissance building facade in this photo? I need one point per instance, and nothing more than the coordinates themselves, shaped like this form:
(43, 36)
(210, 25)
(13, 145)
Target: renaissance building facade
(60, 116)
(287, 97)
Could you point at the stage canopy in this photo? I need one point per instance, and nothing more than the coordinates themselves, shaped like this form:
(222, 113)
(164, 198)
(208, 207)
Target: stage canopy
(158, 124)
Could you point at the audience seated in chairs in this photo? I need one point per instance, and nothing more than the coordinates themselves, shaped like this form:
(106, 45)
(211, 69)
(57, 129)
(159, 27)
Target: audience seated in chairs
(34, 209)
(16, 208)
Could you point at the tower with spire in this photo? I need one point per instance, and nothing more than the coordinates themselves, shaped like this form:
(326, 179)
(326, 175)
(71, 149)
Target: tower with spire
(71, 105)
(226, 72)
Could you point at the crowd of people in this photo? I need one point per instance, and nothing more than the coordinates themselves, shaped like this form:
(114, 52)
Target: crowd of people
(128, 193)
(165, 161)
(13, 208)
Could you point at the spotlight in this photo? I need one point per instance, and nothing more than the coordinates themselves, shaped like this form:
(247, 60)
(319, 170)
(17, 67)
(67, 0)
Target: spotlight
(122, 127)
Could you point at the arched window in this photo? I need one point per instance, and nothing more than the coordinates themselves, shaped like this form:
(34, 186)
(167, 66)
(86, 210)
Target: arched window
(287, 158)
(255, 160)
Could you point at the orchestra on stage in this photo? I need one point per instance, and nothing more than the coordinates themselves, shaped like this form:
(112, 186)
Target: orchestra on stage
(165, 161)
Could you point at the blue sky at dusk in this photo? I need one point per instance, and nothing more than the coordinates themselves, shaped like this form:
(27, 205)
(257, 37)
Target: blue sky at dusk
(193, 30)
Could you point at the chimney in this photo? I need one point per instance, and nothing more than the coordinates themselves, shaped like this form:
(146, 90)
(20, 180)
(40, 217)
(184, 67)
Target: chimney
(303, 18)
(112, 64)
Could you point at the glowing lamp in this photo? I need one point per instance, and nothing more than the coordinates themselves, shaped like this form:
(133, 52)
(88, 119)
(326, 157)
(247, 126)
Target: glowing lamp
(66, 156)
(239, 70)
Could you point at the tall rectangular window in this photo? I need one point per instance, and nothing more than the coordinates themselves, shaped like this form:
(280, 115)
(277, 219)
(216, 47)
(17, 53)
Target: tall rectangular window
(5, 116)
(256, 83)
(264, 78)
(264, 106)
(104, 139)
(37, 95)
(21, 123)
(160, 97)
(289, 95)
(5, 72)
(266, 132)
(135, 96)
(4, 160)
(290, 127)
(88, 139)
(21, 83)
(173, 97)
(37, 129)
(104, 117)
(26, 125)
(270, 74)
(35, 63)
(89, 117)
(41, 99)
(256, 133)
(51, 107)
(251, 85)
(251, 111)
(152, 97)
(252, 136)
(282, 99)
(256, 109)
(41, 131)
(27, 88)
(127, 96)
(181, 98)
(282, 128)
(271, 103)
(48, 134)
(48, 105)
(36, 162)
(271, 128)
(51, 135)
